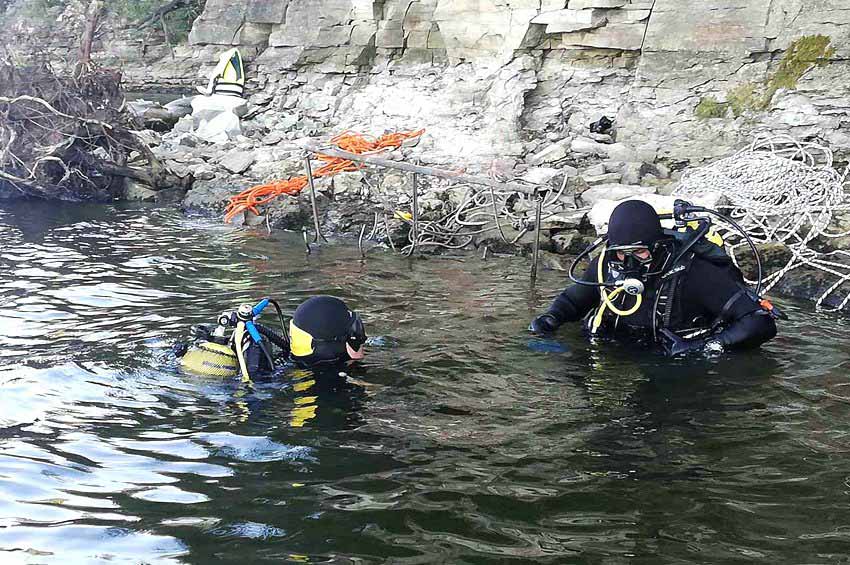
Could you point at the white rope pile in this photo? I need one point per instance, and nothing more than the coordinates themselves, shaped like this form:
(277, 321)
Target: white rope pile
(480, 211)
(781, 191)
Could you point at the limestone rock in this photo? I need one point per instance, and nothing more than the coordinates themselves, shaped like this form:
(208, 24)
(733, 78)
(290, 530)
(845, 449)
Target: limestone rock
(137, 191)
(614, 192)
(565, 220)
(238, 162)
(219, 24)
(570, 20)
(626, 36)
(595, 170)
(621, 152)
(588, 146)
(550, 154)
(607, 178)
(209, 197)
(570, 243)
(583, 4)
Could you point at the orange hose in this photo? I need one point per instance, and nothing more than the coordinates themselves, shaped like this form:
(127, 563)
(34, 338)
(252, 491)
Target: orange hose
(352, 142)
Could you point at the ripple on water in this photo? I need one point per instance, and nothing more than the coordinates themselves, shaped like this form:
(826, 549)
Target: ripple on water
(462, 439)
(253, 449)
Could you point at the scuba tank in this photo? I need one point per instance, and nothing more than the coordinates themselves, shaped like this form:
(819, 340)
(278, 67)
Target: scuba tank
(247, 350)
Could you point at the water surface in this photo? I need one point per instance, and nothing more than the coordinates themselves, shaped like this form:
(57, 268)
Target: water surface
(461, 439)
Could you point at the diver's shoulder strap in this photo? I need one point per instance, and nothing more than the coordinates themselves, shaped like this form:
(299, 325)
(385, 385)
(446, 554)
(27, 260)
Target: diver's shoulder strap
(670, 290)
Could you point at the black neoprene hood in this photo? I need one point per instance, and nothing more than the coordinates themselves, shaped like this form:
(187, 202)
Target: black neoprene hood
(324, 317)
(634, 222)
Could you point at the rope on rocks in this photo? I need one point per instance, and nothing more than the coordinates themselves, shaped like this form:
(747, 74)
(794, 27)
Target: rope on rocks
(781, 191)
(251, 198)
(481, 212)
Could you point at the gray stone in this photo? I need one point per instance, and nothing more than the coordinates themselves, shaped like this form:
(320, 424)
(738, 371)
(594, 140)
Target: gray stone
(611, 166)
(595, 170)
(601, 137)
(540, 175)
(219, 24)
(209, 198)
(588, 146)
(584, 4)
(348, 185)
(137, 191)
(560, 21)
(621, 152)
(550, 154)
(726, 26)
(264, 12)
(180, 107)
(626, 36)
(189, 140)
(565, 220)
(607, 178)
(238, 162)
(613, 192)
(632, 173)
(570, 242)
(627, 15)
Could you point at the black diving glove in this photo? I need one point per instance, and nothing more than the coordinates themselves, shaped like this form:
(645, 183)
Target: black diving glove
(544, 324)
(675, 345)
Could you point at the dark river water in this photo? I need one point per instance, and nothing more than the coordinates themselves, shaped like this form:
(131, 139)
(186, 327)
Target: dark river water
(461, 439)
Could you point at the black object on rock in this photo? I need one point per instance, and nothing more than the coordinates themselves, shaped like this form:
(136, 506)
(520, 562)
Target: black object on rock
(602, 125)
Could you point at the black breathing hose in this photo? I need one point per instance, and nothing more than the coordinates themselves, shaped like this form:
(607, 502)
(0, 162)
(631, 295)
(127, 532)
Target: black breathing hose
(586, 253)
(273, 336)
(734, 224)
(280, 317)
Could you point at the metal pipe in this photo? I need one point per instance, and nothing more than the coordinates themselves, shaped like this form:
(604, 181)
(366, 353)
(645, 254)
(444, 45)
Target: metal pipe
(387, 227)
(374, 228)
(360, 242)
(306, 240)
(536, 238)
(430, 171)
(309, 169)
(415, 214)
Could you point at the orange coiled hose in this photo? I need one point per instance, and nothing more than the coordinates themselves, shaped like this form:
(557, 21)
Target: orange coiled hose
(250, 199)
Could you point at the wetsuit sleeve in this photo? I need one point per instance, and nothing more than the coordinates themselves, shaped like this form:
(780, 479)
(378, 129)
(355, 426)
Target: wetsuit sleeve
(576, 300)
(720, 295)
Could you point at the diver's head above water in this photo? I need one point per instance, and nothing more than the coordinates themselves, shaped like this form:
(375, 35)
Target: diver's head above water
(324, 330)
(635, 237)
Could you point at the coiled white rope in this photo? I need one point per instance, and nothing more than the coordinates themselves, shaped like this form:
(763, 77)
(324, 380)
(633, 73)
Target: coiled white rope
(781, 191)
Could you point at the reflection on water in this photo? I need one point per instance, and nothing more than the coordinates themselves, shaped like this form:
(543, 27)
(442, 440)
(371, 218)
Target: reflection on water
(461, 439)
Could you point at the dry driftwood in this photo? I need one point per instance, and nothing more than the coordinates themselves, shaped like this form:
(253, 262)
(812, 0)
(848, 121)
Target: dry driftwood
(70, 137)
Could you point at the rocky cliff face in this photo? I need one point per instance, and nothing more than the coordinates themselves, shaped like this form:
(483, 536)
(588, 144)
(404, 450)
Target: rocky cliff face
(505, 79)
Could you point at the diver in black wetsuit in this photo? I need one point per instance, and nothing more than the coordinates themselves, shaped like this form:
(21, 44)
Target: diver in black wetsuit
(654, 285)
(323, 332)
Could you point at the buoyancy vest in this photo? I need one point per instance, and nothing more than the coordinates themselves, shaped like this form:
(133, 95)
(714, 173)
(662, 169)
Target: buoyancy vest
(669, 308)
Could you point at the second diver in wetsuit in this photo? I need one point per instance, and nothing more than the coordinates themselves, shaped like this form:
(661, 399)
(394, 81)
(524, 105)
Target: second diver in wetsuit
(323, 332)
(650, 285)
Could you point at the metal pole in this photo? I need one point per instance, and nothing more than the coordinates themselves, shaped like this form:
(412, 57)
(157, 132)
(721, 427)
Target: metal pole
(415, 214)
(455, 176)
(537, 221)
(360, 242)
(306, 240)
(309, 170)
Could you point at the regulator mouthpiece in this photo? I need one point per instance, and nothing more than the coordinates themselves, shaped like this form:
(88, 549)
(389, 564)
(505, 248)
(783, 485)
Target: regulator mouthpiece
(632, 286)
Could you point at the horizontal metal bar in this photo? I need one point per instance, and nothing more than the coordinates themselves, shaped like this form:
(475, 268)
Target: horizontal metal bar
(430, 171)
